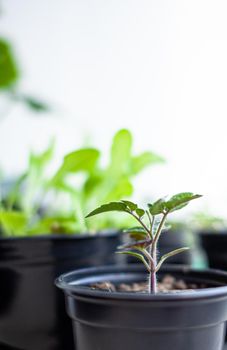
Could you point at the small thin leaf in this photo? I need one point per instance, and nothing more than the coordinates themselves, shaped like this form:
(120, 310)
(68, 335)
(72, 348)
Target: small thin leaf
(140, 212)
(136, 255)
(137, 233)
(168, 255)
(138, 244)
(132, 206)
(112, 206)
(35, 104)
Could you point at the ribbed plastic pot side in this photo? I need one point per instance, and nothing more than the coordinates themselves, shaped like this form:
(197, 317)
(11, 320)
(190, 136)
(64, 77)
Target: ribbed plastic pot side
(188, 320)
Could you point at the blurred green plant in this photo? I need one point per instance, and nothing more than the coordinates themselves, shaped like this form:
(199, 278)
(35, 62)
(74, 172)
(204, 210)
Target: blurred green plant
(205, 221)
(10, 75)
(8, 67)
(40, 204)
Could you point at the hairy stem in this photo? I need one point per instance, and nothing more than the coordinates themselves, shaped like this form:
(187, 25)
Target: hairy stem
(159, 230)
(152, 284)
(153, 252)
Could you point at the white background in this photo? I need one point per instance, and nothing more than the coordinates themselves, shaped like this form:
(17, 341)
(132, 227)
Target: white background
(157, 67)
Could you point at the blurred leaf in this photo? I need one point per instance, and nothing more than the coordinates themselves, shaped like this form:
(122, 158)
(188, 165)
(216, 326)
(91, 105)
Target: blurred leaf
(13, 222)
(41, 160)
(204, 220)
(55, 224)
(35, 178)
(144, 160)
(9, 71)
(35, 104)
(12, 198)
(81, 160)
(92, 183)
(121, 152)
(121, 188)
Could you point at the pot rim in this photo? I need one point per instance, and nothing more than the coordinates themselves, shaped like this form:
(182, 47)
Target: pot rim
(63, 236)
(78, 290)
(213, 232)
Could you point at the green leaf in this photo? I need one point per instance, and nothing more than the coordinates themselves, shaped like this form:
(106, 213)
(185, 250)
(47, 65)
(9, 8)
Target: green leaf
(157, 207)
(180, 200)
(138, 233)
(92, 184)
(84, 159)
(8, 66)
(176, 202)
(35, 104)
(118, 189)
(55, 224)
(168, 255)
(112, 206)
(13, 222)
(39, 161)
(34, 180)
(121, 153)
(136, 255)
(144, 160)
(132, 206)
(140, 212)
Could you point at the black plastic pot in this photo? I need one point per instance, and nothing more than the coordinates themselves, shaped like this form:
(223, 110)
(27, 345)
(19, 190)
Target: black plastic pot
(190, 320)
(214, 244)
(32, 309)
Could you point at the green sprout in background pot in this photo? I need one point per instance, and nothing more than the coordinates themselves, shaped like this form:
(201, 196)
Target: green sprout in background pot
(39, 203)
(102, 182)
(146, 236)
(204, 221)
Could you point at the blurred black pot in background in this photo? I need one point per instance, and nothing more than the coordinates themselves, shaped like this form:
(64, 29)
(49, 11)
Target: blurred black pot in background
(214, 244)
(32, 309)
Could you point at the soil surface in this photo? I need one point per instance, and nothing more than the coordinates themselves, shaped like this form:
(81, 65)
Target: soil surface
(168, 283)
